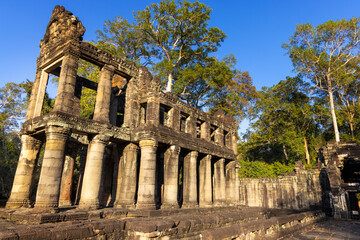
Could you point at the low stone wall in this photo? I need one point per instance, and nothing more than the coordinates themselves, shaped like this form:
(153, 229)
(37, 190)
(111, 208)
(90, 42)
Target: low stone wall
(298, 190)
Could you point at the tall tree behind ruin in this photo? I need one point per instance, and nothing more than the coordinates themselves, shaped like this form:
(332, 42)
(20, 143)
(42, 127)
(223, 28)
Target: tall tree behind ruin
(287, 119)
(327, 55)
(172, 33)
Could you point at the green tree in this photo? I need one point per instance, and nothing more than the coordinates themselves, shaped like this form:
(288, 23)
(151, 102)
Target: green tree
(13, 102)
(212, 84)
(175, 33)
(286, 119)
(349, 104)
(327, 55)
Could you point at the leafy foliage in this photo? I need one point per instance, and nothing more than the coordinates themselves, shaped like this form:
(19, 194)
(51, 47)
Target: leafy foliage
(328, 55)
(258, 169)
(13, 101)
(170, 33)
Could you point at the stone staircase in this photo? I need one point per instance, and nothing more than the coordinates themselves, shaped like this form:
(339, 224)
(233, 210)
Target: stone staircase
(197, 223)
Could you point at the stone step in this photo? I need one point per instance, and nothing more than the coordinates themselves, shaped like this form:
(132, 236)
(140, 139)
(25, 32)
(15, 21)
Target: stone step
(252, 222)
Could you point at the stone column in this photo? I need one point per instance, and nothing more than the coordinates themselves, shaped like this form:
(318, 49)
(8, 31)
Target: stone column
(131, 112)
(234, 143)
(92, 175)
(205, 131)
(65, 98)
(22, 186)
(153, 111)
(37, 94)
(171, 168)
(232, 187)
(126, 178)
(47, 196)
(190, 180)
(66, 181)
(205, 188)
(219, 136)
(191, 126)
(103, 95)
(219, 183)
(175, 119)
(146, 190)
(237, 183)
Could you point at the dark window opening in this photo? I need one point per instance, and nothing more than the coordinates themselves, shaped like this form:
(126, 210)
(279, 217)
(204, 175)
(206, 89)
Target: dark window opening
(164, 115)
(143, 113)
(212, 132)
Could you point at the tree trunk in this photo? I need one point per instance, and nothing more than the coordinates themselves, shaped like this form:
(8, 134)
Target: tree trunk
(307, 155)
(352, 130)
(169, 83)
(285, 153)
(332, 108)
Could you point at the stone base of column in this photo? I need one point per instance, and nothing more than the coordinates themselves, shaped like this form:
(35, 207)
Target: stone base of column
(146, 206)
(89, 205)
(219, 204)
(169, 206)
(205, 205)
(190, 205)
(125, 205)
(11, 204)
(65, 203)
(48, 207)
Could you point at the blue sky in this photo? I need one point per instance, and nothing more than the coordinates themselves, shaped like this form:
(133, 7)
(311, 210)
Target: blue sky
(255, 30)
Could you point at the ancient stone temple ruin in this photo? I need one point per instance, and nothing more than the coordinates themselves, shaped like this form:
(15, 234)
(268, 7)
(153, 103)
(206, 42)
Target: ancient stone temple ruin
(143, 165)
(142, 148)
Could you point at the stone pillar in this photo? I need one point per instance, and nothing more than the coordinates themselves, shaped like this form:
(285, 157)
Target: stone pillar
(171, 169)
(175, 119)
(232, 183)
(234, 143)
(191, 126)
(237, 183)
(146, 190)
(205, 187)
(37, 94)
(219, 183)
(65, 99)
(47, 196)
(205, 131)
(126, 178)
(66, 181)
(92, 176)
(153, 111)
(103, 95)
(190, 180)
(219, 136)
(22, 186)
(82, 154)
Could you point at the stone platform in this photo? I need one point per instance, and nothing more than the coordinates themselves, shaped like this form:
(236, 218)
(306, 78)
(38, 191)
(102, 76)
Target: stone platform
(333, 229)
(197, 223)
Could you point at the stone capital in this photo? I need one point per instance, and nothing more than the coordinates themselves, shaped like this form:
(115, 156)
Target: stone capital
(131, 147)
(108, 67)
(101, 139)
(148, 143)
(175, 149)
(27, 139)
(194, 154)
(59, 132)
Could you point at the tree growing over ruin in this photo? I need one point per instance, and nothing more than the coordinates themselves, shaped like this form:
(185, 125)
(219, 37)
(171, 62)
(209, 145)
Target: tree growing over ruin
(174, 33)
(328, 55)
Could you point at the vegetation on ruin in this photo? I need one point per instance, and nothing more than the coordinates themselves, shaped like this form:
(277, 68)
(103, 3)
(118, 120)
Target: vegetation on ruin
(328, 56)
(297, 115)
(175, 40)
(12, 108)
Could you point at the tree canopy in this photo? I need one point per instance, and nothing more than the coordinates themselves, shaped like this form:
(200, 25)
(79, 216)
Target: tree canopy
(169, 34)
(328, 55)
